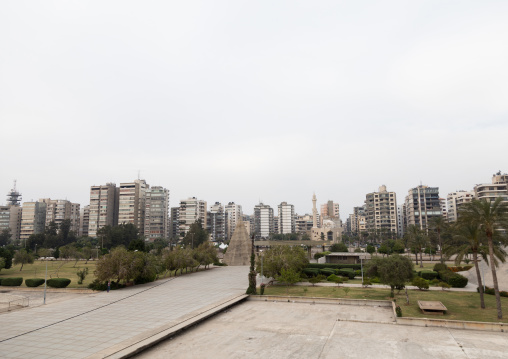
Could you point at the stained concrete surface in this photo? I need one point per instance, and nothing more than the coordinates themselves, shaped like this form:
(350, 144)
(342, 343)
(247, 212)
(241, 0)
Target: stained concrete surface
(299, 330)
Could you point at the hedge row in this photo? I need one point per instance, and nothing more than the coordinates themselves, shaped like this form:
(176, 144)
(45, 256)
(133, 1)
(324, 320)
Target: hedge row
(428, 274)
(334, 266)
(59, 282)
(345, 272)
(491, 291)
(12, 282)
(446, 275)
(34, 282)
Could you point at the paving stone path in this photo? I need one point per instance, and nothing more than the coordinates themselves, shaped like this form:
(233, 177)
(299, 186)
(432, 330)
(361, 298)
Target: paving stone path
(89, 325)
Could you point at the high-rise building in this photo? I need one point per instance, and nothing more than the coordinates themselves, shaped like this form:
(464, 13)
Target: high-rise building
(276, 224)
(191, 210)
(131, 203)
(286, 218)
(490, 191)
(303, 223)
(455, 200)
(175, 222)
(84, 221)
(58, 210)
(263, 221)
(216, 225)
(330, 210)
(381, 210)
(33, 219)
(422, 203)
(103, 207)
(233, 212)
(156, 216)
(400, 220)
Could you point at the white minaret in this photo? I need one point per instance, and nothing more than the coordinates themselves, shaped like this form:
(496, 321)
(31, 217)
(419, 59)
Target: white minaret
(314, 211)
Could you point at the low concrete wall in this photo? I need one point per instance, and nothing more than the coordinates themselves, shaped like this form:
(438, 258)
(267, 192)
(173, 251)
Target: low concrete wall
(453, 324)
(341, 301)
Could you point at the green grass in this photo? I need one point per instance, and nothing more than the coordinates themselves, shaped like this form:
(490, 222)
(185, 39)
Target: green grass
(38, 269)
(460, 305)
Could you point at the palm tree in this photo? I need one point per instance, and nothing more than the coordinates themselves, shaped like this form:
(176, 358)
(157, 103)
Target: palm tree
(439, 225)
(492, 219)
(417, 240)
(471, 239)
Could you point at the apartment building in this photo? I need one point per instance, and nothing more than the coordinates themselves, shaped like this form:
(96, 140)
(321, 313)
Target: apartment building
(131, 203)
(330, 210)
(175, 222)
(381, 210)
(103, 207)
(455, 200)
(490, 191)
(263, 221)
(84, 221)
(33, 219)
(58, 210)
(286, 218)
(422, 203)
(191, 210)
(156, 213)
(233, 212)
(303, 223)
(216, 225)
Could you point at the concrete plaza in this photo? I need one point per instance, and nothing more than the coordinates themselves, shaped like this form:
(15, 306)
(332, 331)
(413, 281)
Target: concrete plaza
(104, 324)
(257, 329)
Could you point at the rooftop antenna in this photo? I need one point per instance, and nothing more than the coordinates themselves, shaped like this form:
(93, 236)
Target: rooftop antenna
(139, 174)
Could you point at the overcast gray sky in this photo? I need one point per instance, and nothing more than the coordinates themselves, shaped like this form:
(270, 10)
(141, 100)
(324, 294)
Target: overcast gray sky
(253, 100)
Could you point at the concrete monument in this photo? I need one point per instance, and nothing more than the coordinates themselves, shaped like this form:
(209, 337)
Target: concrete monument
(239, 250)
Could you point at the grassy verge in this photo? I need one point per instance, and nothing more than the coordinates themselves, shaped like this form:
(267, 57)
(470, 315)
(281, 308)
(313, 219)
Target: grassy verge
(461, 305)
(62, 269)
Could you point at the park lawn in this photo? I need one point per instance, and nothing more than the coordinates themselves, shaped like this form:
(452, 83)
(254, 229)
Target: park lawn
(38, 269)
(460, 305)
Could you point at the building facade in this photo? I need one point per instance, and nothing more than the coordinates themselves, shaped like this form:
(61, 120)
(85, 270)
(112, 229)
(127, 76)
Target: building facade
(156, 214)
(490, 191)
(263, 221)
(232, 212)
(33, 219)
(132, 203)
(103, 207)
(216, 225)
(191, 210)
(455, 200)
(422, 203)
(381, 211)
(58, 210)
(286, 218)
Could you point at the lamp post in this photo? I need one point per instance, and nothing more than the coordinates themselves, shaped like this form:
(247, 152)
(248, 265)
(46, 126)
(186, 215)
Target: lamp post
(45, 281)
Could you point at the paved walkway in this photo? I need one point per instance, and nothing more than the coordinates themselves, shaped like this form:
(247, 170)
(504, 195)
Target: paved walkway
(89, 326)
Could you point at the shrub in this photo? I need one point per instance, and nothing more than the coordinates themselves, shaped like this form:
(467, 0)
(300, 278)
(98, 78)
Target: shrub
(398, 310)
(327, 271)
(12, 282)
(34, 282)
(438, 267)
(358, 272)
(421, 283)
(428, 274)
(219, 264)
(262, 289)
(344, 279)
(366, 282)
(434, 281)
(59, 282)
(503, 293)
(332, 278)
(311, 272)
(457, 281)
(444, 285)
(467, 267)
(375, 280)
(350, 273)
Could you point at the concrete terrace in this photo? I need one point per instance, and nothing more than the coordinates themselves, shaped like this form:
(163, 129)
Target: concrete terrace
(111, 324)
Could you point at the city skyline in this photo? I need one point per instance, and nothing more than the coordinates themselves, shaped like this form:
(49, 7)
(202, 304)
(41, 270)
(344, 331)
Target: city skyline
(253, 102)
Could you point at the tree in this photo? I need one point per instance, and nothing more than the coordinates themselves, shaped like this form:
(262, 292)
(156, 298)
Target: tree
(5, 237)
(288, 277)
(438, 225)
(137, 245)
(196, 235)
(371, 249)
(22, 257)
(6, 254)
(2, 263)
(205, 254)
(338, 247)
(282, 256)
(492, 218)
(121, 235)
(417, 240)
(251, 289)
(394, 270)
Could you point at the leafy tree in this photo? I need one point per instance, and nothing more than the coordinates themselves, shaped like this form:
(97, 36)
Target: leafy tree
(5, 237)
(371, 249)
(6, 254)
(137, 245)
(384, 249)
(252, 273)
(36, 240)
(196, 235)
(338, 247)
(205, 254)
(121, 235)
(82, 275)
(282, 256)
(491, 217)
(418, 241)
(22, 257)
(2, 263)
(394, 270)
(288, 277)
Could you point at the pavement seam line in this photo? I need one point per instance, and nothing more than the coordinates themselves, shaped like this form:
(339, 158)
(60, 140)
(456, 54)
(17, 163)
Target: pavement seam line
(327, 339)
(89, 311)
(456, 341)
